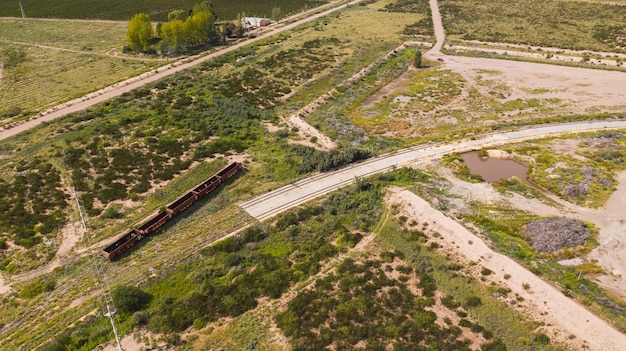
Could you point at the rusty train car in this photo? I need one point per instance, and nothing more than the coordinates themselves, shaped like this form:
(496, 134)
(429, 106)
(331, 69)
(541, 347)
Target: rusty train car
(172, 210)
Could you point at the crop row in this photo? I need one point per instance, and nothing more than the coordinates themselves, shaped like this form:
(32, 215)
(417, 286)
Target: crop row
(158, 9)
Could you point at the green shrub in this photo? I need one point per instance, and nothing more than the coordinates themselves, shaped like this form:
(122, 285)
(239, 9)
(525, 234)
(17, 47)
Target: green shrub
(496, 345)
(199, 323)
(473, 301)
(542, 339)
(129, 299)
(37, 287)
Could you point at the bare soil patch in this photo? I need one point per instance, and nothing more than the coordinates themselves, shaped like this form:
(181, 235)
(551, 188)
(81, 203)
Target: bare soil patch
(4, 288)
(580, 90)
(610, 255)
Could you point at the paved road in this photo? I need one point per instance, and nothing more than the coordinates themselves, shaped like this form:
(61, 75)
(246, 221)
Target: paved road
(279, 200)
(139, 81)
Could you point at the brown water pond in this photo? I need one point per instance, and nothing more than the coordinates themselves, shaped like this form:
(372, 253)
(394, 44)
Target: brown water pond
(493, 169)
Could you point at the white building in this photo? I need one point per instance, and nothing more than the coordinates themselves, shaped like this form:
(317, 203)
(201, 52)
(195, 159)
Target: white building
(252, 22)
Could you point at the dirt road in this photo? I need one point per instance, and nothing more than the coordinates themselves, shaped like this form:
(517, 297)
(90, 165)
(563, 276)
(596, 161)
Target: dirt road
(139, 81)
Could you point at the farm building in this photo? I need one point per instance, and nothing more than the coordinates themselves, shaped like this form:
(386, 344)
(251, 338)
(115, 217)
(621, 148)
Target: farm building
(252, 22)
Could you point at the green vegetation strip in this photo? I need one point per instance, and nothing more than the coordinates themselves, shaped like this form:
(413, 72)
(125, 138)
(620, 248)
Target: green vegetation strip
(510, 327)
(562, 24)
(157, 9)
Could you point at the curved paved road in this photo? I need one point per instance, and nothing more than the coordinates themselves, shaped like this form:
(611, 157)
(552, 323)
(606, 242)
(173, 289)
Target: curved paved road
(281, 199)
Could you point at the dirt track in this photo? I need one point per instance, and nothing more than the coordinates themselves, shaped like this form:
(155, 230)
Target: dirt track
(563, 313)
(563, 317)
(137, 82)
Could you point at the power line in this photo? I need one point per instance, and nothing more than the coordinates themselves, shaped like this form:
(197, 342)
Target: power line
(99, 271)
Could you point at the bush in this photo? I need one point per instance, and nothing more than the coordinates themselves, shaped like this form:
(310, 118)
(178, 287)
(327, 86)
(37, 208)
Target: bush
(473, 301)
(140, 318)
(129, 299)
(496, 345)
(199, 323)
(111, 213)
(37, 287)
(542, 339)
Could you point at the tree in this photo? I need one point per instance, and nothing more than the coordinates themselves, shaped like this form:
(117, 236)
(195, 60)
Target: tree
(139, 32)
(228, 28)
(276, 14)
(177, 15)
(418, 59)
(238, 31)
(196, 29)
(200, 27)
(204, 6)
(174, 35)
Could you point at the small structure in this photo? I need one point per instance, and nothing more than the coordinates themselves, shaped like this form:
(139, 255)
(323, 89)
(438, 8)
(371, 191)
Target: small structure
(252, 22)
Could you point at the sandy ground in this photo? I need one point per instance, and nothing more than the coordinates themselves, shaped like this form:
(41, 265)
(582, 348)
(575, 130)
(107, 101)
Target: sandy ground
(584, 90)
(611, 254)
(598, 59)
(609, 219)
(581, 90)
(72, 234)
(563, 316)
(307, 131)
(4, 288)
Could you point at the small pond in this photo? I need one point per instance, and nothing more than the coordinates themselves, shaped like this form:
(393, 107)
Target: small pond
(493, 169)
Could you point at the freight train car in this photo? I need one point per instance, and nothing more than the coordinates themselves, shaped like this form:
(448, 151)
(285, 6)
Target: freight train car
(171, 211)
(207, 186)
(154, 223)
(182, 203)
(122, 244)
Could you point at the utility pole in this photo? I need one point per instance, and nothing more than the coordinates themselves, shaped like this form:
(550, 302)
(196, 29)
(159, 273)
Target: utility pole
(22, 9)
(99, 273)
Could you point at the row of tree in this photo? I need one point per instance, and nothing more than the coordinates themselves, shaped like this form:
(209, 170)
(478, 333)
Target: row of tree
(183, 30)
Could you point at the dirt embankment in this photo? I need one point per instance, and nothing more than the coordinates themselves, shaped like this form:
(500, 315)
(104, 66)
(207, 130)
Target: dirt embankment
(306, 130)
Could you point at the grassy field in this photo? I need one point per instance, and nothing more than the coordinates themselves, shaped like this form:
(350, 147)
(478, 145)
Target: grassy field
(592, 166)
(133, 154)
(117, 151)
(562, 24)
(48, 62)
(158, 10)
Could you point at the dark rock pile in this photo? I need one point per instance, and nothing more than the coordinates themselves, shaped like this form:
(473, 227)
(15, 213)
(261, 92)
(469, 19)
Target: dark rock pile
(582, 188)
(605, 140)
(552, 234)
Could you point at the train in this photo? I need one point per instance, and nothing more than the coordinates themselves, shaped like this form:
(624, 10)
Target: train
(171, 211)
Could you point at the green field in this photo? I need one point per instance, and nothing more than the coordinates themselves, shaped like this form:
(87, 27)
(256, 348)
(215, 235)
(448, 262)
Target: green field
(49, 62)
(562, 24)
(118, 150)
(157, 9)
(132, 155)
